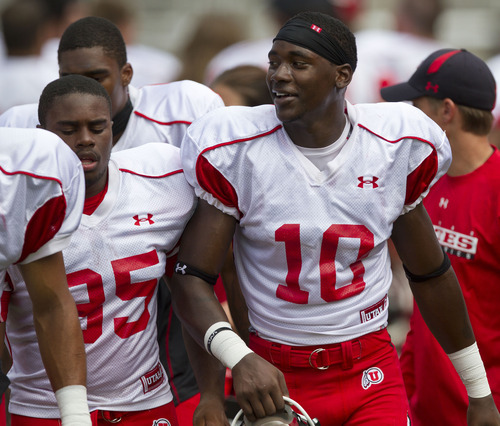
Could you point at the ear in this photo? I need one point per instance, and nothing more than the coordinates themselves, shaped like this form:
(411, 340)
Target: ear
(126, 74)
(448, 110)
(343, 76)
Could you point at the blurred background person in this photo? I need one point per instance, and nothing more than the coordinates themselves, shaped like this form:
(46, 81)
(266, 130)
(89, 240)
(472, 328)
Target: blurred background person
(243, 85)
(24, 71)
(61, 14)
(494, 136)
(213, 33)
(151, 65)
(386, 56)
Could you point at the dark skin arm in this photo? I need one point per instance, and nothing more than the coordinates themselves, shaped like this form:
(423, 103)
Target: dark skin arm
(258, 385)
(56, 321)
(236, 302)
(439, 299)
(210, 375)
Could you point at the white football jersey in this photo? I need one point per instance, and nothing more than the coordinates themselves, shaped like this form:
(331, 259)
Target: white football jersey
(41, 196)
(161, 113)
(311, 246)
(113, 265)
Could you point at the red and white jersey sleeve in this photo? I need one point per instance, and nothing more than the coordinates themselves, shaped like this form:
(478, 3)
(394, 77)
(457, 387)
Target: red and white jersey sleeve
(41, 195)
(311, 246)
(113, 265)
(163, 112)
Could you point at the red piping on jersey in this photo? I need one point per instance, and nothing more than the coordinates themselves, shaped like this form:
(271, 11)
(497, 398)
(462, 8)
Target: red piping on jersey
(32, 175)
(46, 221)
(212, 181)
(418, 180)
(163, 123)
(152, 177)
(5, 299)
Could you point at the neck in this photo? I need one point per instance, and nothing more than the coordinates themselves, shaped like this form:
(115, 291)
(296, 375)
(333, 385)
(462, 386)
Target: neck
(469, 153)
(120, 120)
(319, 133)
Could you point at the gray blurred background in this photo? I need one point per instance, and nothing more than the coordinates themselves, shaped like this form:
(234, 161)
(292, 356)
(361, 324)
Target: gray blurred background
(168, 24)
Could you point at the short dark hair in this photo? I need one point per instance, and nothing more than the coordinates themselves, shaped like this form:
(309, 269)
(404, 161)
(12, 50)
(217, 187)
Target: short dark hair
(69, 84)
(249, 81)
(337, 30)
(94, 31)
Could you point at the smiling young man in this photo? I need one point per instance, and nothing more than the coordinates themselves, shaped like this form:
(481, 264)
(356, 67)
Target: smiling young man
(137, 203)
(309, 191)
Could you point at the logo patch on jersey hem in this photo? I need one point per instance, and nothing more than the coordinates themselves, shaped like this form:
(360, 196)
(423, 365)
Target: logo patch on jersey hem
(372, 376)
(161, 422)
(152, 379)
(373, 311)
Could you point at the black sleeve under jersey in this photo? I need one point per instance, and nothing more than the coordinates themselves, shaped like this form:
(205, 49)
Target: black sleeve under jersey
(4, 383)
(173, 354)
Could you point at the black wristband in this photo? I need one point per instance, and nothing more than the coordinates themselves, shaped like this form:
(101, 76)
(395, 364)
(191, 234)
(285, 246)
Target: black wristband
(445, 265)
(185, 269)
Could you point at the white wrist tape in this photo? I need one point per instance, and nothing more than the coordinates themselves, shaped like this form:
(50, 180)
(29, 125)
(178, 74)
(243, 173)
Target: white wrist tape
(225, 345)
(72, 402)
(470, 368)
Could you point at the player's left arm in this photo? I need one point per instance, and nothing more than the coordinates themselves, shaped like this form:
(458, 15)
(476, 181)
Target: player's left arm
(441, 303)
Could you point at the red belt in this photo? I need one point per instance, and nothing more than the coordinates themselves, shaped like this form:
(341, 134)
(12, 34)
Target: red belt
(318, 357)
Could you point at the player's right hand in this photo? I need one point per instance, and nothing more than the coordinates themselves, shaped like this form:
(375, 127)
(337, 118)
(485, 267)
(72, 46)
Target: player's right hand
(259, 387)
(482, 412)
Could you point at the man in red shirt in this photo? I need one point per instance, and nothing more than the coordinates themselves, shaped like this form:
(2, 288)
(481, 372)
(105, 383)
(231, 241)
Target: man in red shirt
(457, 90)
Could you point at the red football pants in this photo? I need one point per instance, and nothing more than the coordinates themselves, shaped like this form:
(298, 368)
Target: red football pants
(362, 384)
(163, 416)
(185, 410)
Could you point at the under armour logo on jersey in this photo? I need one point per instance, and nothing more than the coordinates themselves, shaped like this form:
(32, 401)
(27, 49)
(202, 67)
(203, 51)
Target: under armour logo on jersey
(433, 87)
(316, 28)
(161, 422)
(443, 202)
(372, 376)
(365, 181)
(139, 220)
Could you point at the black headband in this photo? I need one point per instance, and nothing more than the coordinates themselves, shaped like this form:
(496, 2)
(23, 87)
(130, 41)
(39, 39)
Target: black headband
(304, 34)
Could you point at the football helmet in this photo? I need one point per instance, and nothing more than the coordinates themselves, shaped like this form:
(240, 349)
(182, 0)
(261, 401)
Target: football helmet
(288, 417)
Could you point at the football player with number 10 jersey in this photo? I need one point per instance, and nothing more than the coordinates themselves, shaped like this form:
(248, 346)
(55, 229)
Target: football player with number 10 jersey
(309, 191)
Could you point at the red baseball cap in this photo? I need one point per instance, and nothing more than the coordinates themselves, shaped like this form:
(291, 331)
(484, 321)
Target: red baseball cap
(448, 73)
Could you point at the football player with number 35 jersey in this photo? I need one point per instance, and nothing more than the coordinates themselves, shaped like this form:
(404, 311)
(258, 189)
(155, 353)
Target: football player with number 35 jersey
(94, 47)
(136, 207)
(309, 191)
